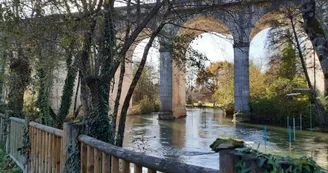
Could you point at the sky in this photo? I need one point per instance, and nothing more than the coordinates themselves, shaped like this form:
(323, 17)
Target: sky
(215, 47)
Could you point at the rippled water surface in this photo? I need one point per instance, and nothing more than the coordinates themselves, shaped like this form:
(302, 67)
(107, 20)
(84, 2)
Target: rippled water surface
(188, 139)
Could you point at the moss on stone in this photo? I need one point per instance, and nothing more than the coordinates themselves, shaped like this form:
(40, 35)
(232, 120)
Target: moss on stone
(225, 144)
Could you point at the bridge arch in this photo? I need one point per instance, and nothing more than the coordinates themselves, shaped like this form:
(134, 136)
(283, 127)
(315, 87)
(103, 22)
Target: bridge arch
(190, 30)
(202, 24)
(273, 19)
(279, 18)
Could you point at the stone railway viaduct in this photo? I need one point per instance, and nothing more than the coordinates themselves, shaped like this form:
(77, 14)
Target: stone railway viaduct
(239, 20)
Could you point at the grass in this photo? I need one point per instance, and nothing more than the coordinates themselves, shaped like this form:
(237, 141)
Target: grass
(7, 165)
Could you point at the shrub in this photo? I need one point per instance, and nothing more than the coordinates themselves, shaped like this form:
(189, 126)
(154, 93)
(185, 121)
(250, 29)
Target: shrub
(276, 110)
(146, 106)
(3, 108)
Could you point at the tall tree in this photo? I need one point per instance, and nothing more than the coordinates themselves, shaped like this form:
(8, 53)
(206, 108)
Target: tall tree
(293, 34)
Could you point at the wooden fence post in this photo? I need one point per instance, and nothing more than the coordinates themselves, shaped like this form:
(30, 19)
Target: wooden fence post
(228, 160)
(70, 146)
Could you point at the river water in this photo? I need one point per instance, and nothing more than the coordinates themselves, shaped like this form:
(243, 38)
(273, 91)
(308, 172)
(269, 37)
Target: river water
(187, 139)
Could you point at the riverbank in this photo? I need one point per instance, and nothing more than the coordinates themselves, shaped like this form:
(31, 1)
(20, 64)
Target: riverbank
(262, 119)
(203, 105)
(7, 165)
(283, 123)
(317, 135)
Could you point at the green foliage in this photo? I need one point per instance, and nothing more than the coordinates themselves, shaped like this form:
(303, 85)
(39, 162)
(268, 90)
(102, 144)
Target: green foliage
(274, 164)
(44, 96)
(4, 128)
(146, 106)
(3, 108)
(242, 167)
(224, 93)
(30, 100)
(73, 162)
(146, 94)
(325, 104)
(257, 84)
(98, 124)
(146, 86)
(272, 105)
(288, 63)
(275, 105)
(7, 165)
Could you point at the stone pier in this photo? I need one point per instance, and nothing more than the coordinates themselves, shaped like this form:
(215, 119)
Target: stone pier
(166, 85)
(241, 77)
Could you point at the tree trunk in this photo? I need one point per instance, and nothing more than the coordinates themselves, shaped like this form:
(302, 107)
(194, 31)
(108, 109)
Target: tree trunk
(121, 127)
(84, 72)
(19, 78)
(43, 97)
(98, 123)
(75, 109)
(85, 98)
(66, 98)
(300, 53)
(118, 98)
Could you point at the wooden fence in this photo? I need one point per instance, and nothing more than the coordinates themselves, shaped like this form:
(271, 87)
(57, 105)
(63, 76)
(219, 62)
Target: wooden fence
(15, 143)
(46, 148)
(95, 157)
(49, 146)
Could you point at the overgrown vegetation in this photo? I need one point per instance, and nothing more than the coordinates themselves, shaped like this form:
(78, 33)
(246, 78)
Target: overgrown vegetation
(273, 105)
(7, 165)
(272, 163)
(146, 95)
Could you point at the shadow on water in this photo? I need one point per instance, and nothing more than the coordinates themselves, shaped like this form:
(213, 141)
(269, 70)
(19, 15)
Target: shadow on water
(188, 139)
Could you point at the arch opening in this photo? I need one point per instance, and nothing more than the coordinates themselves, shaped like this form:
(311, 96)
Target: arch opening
(278, 24)
(208, 83)
(133, 58)
(146, 95)
(198, 28)
(279, 69)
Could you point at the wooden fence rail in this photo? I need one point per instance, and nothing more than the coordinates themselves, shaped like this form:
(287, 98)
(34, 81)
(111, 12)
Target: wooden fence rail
(95, 157)
(49, 146)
